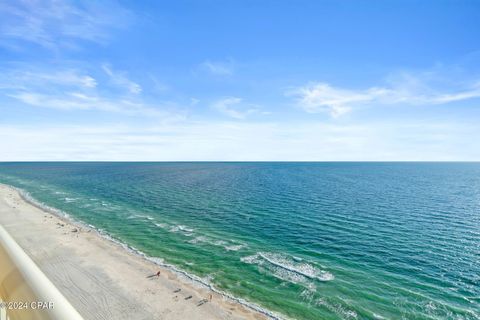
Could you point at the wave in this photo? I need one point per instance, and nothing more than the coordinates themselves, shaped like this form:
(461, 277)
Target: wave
(42, 206)
(228, 245)
(342, 311)
(303, 269)
(198, 239)
(186, 231)
(161, 225)
(203, 282)
(182, 228)
(287, 267)
(309, 293)
(235, 247)
(140, 216)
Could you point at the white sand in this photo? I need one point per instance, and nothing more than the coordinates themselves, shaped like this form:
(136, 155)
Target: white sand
(100, 278)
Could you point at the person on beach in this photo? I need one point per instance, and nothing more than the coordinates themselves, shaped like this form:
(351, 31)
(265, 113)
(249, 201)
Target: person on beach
(158, 274)
(210, 297)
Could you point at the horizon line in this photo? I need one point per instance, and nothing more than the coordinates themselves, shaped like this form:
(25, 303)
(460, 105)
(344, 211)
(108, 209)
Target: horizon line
(241, 161)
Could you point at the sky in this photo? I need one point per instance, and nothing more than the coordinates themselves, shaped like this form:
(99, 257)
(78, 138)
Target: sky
(240, 80)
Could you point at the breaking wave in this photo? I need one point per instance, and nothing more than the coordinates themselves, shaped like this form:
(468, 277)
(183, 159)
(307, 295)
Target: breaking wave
(288, 268)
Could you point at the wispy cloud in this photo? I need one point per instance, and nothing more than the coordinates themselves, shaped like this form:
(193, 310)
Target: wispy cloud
(57, 23)
(71, 89)
(321, 97)
(159, 86)
(82, 101)
(407, 89)
(120, 79)
(68, 77)
(219, 68)
(233, 108)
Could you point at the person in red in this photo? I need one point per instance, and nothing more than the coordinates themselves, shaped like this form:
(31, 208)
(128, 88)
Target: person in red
(158, 274)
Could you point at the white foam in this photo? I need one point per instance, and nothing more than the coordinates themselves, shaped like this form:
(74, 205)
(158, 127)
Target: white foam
(140, 216)
(235, 247)
(157, 260)
(308, 294)
(286, 275)
(253, 259)
(286, 268)
(304, 269)
(338, 309)
(161, 225)
(198, 239)
(377, 316)
(182, 228)
(227, 245)
(186, 229)
(219, 243)
(28, 198)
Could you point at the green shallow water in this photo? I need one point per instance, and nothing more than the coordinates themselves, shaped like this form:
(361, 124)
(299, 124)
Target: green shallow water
(305, 240)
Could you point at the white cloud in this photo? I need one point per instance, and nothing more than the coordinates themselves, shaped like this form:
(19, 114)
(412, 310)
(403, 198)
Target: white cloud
(71, 89)
(232, 107)
(68, 77)
(220, 68)
(410, 90)
(321, 97)
(237, 141)
(120, 79)
(81, 101)
(55, 23)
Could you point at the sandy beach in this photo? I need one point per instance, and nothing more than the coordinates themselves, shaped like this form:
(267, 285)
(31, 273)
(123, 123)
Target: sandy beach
(101, 279)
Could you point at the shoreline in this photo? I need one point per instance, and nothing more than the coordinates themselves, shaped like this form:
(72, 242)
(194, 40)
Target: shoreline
(222, 306)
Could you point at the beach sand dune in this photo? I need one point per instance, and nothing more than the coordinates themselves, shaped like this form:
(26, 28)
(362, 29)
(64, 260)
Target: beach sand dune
(100, 278)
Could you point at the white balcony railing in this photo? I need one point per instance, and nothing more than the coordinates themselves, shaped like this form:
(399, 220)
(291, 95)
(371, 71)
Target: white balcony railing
(25, 292)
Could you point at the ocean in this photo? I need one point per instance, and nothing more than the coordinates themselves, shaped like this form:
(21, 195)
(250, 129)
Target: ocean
(320, 240)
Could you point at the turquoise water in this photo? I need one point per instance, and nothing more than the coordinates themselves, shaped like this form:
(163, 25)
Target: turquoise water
(305, 240)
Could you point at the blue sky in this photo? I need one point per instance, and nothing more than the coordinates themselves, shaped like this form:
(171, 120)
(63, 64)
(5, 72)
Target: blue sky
(239, 80)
